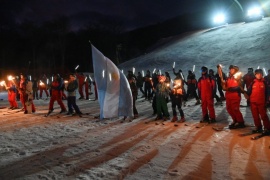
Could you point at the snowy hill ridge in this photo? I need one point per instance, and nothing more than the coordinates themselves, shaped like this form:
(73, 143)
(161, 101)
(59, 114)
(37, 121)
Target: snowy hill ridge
(242, 44)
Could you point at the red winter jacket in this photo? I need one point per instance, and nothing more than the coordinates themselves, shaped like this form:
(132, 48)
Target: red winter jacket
(234, 91)
(248, 79)
(206, 87)
(257, 91)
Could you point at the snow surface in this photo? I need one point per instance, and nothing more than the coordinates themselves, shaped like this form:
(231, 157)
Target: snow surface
(58, 147)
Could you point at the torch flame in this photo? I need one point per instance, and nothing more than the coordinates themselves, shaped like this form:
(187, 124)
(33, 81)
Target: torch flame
(41, 83)
(236, 75)
(2, 83)
(10, 78)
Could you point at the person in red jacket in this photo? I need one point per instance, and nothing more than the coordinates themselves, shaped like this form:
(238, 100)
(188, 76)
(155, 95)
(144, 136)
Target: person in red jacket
(83, 82)
(11, 88)
(257, 92)
(247, 80)
(25, 91)
(233, 88)
(56, 88)
(207, 91)
(43, 86)
(267, 80)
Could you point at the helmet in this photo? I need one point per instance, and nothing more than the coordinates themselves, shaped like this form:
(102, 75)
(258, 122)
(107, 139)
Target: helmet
(211, 71)
(250, 69)
(234, 67)
(204, 69)
(257, 71)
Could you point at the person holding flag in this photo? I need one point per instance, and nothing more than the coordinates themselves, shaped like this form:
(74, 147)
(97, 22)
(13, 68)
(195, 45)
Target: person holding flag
(114, 93)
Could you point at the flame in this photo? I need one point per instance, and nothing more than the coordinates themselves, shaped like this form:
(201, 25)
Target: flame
(41, 83)
(10, 78)
(237, 75)
(2, 83)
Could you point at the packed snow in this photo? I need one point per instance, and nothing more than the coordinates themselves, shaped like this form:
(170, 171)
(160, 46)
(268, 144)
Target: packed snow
(72, 147)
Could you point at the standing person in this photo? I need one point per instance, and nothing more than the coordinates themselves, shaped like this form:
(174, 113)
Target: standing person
(148, 85)
(11, 88)
(35, 88)
(212, 76)
(206, 91)
(257, 92)
(71, 87)
(56, 88)
(81, 82)
(43, 86)
(139, 83)
(29, 96)
(162, 92)
(25, 90)
(247, 80)
(267, 80)
(233, 88)
(192, 87)
(219, 85)
(95, 90)
(134, 91)
(176, 99)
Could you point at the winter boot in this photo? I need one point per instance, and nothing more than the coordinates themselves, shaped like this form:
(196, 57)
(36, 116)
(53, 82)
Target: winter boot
(205, 119)
(182, 120)
(63, 111)
(257, 130)
(198, 102)
(266, 132)
(212, 121)
(174, 119)
(238, 125)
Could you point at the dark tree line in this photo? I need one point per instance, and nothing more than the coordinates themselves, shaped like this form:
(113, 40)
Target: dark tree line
(52, 47)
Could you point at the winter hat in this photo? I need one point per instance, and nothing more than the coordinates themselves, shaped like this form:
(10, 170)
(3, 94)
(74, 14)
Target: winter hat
(250, 69)
(234, 67)
(259, 71)
(161, 78)
(204, 69)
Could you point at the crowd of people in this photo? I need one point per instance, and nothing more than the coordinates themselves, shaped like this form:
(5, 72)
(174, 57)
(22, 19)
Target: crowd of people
(25, 89)
(159, 89)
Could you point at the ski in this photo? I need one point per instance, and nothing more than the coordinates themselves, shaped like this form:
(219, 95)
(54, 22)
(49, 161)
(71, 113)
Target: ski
(257, 137)
(247, 133)
(12, 112)
(201, 124)
(216, 128)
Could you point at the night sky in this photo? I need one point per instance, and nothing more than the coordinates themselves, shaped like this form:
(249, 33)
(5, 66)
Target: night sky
(131, 13)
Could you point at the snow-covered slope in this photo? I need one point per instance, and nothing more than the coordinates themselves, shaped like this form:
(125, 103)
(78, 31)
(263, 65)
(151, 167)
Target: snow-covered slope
(242, 44)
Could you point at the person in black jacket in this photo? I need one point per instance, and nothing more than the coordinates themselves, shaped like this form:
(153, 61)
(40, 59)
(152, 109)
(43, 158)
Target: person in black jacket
(71, 87)
(139, 83)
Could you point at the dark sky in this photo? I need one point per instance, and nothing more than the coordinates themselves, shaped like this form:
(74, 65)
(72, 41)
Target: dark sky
(131, 13)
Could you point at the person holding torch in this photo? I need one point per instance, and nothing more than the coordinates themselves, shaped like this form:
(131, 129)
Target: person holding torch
(176, 96)
(233, 88)
(11, 88)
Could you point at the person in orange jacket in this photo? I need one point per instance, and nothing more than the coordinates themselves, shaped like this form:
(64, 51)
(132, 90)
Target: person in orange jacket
(207, 91)
(56, 95)
(233, 88)
(257, 92)
(11, 88)
(83, 83)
